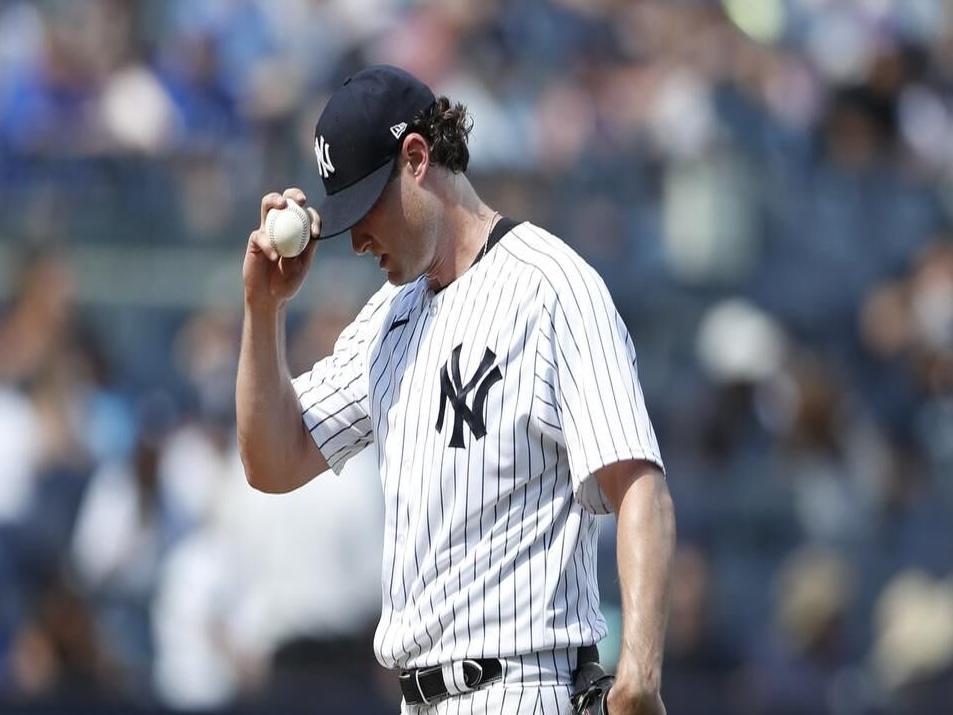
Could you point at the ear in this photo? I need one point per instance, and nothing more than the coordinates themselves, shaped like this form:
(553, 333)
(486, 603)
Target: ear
(415, 153)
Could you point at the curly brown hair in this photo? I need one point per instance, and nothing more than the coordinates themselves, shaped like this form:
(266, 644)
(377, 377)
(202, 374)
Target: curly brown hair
(446, 127)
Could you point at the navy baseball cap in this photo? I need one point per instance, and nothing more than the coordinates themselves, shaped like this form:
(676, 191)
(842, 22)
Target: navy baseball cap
(358, 138)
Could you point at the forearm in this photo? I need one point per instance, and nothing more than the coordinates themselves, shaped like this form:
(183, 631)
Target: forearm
(645, 546)
(271, 434)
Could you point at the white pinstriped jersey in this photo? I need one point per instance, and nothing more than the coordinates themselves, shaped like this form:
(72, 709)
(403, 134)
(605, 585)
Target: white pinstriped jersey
(491, 404)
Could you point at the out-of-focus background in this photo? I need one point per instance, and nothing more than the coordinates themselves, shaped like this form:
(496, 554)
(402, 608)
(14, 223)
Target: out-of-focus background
(766, 186)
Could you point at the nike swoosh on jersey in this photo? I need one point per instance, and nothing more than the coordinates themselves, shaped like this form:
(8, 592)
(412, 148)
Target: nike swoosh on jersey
(397, 323)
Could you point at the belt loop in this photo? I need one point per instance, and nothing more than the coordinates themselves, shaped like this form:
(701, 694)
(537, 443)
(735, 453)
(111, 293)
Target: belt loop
(454, 678)
(420, 689)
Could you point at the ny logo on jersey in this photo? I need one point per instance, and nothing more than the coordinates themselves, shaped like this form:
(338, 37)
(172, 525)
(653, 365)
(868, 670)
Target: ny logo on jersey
(453, 390)
(322, 151)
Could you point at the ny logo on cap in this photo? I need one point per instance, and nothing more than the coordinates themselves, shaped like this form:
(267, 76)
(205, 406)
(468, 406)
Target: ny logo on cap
(398, 129)
(322, 151)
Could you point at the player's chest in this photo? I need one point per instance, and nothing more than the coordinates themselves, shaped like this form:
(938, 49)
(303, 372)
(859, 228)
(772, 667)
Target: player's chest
(454, 373)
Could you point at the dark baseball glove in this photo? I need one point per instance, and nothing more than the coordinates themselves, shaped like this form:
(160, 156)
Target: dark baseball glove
(591, 687)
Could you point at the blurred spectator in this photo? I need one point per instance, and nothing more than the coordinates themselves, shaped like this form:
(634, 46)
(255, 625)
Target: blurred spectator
(237, 589)
(276, 583)
(123, 532)
(702, 667)
(795, 669)
(36, 324)
(912, 654)
(57, 658)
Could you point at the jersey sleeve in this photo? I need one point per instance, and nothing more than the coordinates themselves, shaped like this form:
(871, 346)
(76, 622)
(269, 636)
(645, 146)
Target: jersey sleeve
(333, 393)
(599, 406)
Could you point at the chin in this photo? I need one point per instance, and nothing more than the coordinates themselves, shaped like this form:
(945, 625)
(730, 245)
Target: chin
(396, 278)
(399, 276)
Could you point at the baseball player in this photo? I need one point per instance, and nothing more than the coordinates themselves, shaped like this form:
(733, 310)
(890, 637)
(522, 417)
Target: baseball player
(498, 385)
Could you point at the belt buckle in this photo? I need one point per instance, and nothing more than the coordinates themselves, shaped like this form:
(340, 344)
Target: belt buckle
(479, 678)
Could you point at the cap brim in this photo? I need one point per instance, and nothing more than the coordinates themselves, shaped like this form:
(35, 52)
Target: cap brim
(340, 211)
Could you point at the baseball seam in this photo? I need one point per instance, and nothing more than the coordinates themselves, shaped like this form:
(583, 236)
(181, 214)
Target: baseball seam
(302, 216)
(305, 227)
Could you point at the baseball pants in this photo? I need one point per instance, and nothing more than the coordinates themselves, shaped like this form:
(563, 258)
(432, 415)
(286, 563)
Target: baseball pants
(500, 699)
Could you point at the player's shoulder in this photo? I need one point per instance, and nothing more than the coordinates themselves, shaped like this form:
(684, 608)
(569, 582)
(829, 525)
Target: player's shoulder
(560, 266)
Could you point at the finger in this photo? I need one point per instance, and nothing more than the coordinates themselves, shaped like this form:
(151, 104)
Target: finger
(274, 200)
(258, 243)
(315, 222)
(295, 194)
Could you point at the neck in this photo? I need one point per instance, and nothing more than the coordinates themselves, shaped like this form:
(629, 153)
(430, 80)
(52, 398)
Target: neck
(467, 222)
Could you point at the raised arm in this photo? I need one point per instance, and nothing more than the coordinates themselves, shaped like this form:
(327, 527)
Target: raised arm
(645, 545)
(276, 449)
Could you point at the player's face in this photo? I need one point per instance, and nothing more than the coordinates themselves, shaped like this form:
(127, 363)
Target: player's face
(399, 230)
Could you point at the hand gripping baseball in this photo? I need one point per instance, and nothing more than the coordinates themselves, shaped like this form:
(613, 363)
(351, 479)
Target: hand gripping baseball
(269, 277)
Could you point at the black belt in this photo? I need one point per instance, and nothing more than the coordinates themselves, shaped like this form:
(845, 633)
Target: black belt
(433, 684)
(430, 685)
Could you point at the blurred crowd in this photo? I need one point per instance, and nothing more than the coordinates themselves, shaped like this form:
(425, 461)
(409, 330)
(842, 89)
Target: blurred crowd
(767, 188)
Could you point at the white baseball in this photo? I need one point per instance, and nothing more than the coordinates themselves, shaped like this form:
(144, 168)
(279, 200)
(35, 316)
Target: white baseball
(288, 229)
